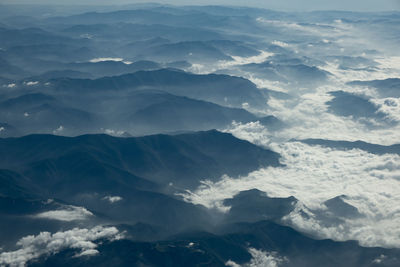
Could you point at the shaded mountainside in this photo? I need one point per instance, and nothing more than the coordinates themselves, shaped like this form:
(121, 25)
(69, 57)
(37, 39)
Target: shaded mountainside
(144, 174)
(181, 159)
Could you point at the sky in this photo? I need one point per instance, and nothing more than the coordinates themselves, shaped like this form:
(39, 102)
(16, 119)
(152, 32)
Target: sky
(291, 5)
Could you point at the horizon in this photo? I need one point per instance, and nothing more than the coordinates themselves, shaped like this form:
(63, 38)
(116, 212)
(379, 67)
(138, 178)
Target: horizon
(285, 5)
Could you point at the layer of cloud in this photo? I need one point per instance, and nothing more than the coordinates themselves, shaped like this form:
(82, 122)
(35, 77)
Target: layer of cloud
(46, 243)
(314, 174)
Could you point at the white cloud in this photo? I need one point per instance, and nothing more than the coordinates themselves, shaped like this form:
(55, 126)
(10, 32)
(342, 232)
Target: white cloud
(86, 36)
(31, 83)
(264, 83)
(379, 260)
(260, 259)
(389, 106)
(114, 132)
(68, 214)
(2, 129)
(10, 85)
(112, 199)
(46, 243)
(227, 64)
(59, 130)
(88, 252)
(231, 263)
(260, 58)
(117, 59)
(389, 62)
(280, 43)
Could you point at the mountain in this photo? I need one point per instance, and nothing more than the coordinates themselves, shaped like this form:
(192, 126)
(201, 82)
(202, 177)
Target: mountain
(220, 89)
(117, 180)
(29, 35)
(185, 51)
(357, 106)
(41, 113)
(180, 159)
(112, 68)
(53, 52)
(370, 148)
(138, 112)
(254, 205)
(386, 88)
(293, 70)
(9, 70)
(7, 130)
(162, 112)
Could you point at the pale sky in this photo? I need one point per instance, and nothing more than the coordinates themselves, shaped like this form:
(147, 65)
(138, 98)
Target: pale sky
(295, 5)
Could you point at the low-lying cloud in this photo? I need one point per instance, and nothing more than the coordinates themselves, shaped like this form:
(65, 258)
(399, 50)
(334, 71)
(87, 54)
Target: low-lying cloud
(46, 243)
